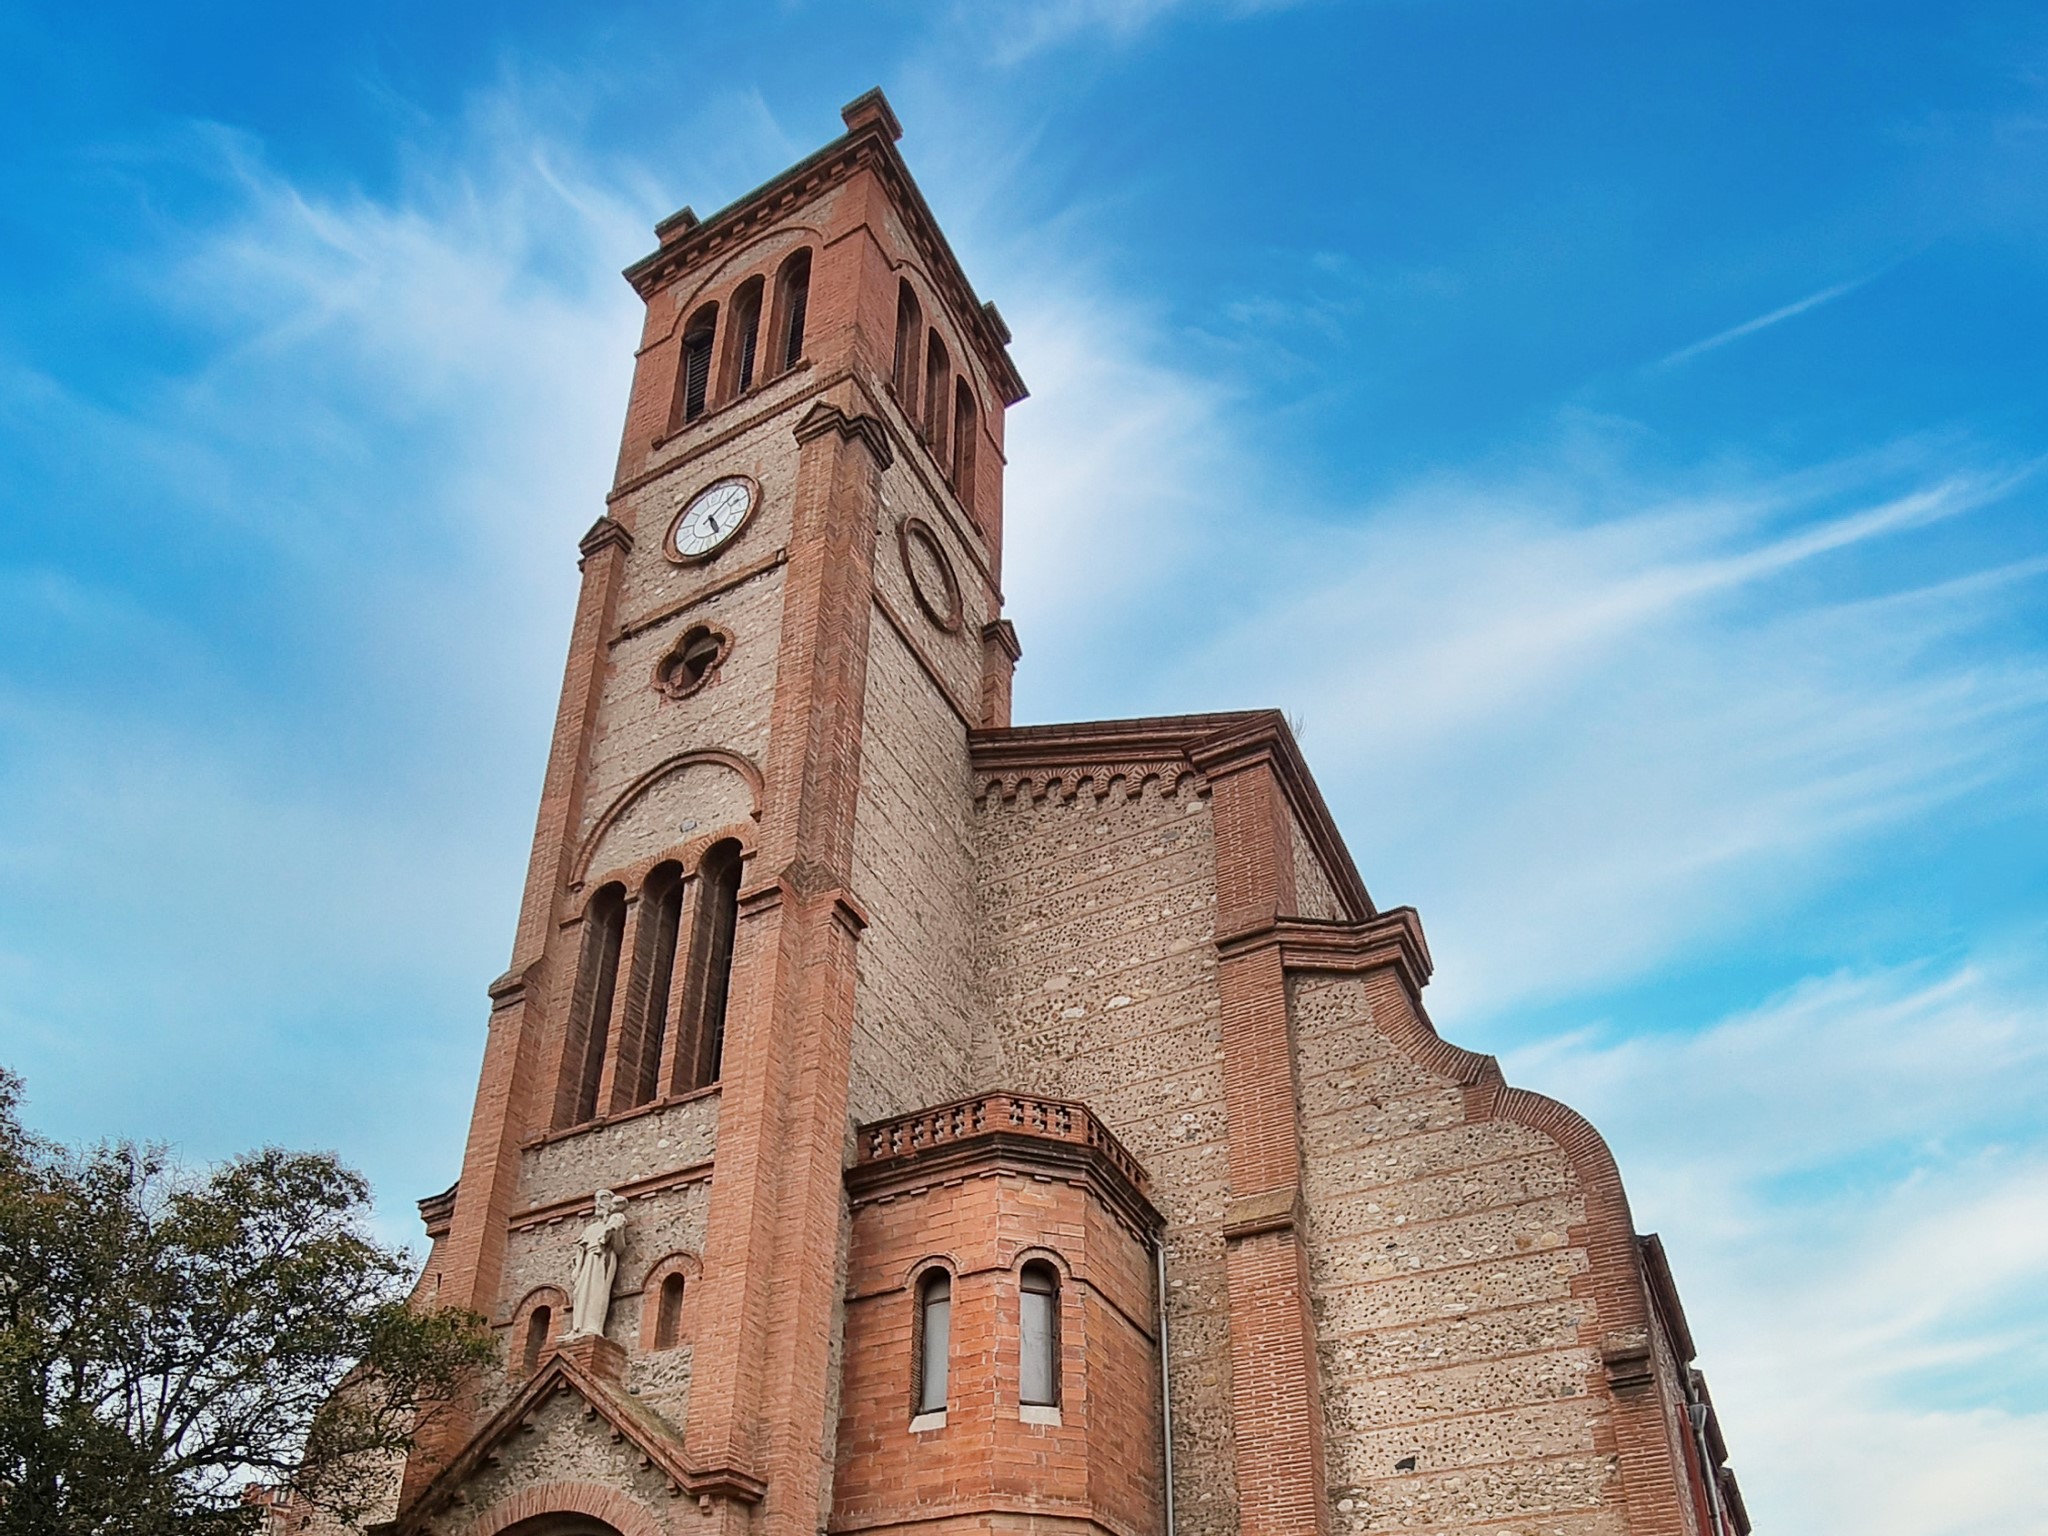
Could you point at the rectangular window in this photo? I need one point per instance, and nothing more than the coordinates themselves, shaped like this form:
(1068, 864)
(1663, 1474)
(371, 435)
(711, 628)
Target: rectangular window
(934, 1325)
(1041, 1348)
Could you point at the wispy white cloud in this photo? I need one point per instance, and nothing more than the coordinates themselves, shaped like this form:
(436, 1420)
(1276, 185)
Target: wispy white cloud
(262, 824)
(1571, 700)
(1764, 322)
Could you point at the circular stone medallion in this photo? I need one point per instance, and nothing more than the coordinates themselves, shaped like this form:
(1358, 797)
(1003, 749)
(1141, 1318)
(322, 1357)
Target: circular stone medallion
(930, 572)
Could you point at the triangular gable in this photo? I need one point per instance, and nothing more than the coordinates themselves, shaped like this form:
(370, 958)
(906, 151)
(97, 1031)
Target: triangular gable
(628, 1419)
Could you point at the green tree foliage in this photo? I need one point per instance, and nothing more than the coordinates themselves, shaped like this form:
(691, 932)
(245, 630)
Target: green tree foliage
(168, 1337)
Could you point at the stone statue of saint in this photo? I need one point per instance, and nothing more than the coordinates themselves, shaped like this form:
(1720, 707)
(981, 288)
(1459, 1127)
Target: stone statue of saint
(597, 1265)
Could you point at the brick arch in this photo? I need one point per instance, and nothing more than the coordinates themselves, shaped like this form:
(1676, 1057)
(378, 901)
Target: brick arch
(736, 268)
(1045, 1253)
(556, 1300)
(914, 1272)
(691, 1269)
(689, 854)
(941, 315)
(705, 756)
(621, 1511)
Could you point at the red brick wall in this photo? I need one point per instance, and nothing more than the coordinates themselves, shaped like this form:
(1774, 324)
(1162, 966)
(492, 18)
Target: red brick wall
(1100, 1463)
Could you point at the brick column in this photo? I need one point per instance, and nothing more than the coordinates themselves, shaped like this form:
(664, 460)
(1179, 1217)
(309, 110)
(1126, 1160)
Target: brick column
(671, 1006)
(772, 1250)
(999, 653)
(1275, 1392)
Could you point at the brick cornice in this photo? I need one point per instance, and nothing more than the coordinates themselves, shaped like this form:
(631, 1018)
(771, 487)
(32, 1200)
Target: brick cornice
(860, 427)
(1393, 938)
(438, 1211)
(1001, 632)
(1096, 753)
(606, 533)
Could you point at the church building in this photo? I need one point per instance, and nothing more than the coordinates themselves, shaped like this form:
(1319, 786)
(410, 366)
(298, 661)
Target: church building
(896, 1120)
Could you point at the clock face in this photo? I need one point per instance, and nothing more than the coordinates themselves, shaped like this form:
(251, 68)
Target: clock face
(713, 516)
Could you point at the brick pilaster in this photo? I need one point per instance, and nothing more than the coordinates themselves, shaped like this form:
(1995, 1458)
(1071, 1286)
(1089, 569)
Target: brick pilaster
(772, 1247)
(1275, 1392)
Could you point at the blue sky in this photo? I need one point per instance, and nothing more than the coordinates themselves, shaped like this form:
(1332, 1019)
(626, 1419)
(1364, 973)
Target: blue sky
(1615, 430)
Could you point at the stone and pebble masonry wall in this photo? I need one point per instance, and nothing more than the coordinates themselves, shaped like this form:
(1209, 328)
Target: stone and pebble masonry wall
(1097, 978)
(1457, 1330)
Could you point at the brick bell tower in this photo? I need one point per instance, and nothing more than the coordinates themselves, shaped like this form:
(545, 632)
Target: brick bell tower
(899, 1123)
(750, 846)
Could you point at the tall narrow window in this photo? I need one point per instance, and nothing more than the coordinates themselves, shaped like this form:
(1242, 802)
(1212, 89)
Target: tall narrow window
(700, 1047)
(934, 1325)
(909, 332)
(742, 338)
(661, 916)
(1040, 1330)
(937, 372)
(792, 299)
(538, 1321)
(668, 1319)
(590, 1006)
(693, 379)
(966, 427)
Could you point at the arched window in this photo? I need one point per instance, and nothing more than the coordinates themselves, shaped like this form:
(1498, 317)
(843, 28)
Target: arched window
(792, 299)
(742, 340)
(1039, 1327)
(538, 1321)
(668, 1318)
(934, 1327)
(700, 1046)
(966, 427)
(937, 371)
(909, 332)
(590, 1006)
(654, 967)
(693, 378)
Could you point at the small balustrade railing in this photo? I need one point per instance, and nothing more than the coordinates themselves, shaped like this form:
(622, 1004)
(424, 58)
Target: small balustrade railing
(1054, 1119)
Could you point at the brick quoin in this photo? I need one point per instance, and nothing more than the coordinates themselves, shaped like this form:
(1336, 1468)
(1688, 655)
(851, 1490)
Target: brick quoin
(1108, 997)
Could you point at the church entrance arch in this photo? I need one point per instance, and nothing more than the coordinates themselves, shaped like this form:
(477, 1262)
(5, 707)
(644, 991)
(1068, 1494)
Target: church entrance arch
(567, 1509)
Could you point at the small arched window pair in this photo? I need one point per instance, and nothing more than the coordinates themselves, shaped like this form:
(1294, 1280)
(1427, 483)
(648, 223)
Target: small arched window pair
(1038, 1335)
(646, 1017)
(949, 417)
(695, 392)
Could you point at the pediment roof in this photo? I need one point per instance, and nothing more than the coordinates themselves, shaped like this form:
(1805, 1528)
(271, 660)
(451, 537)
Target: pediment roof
(629, 1419)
